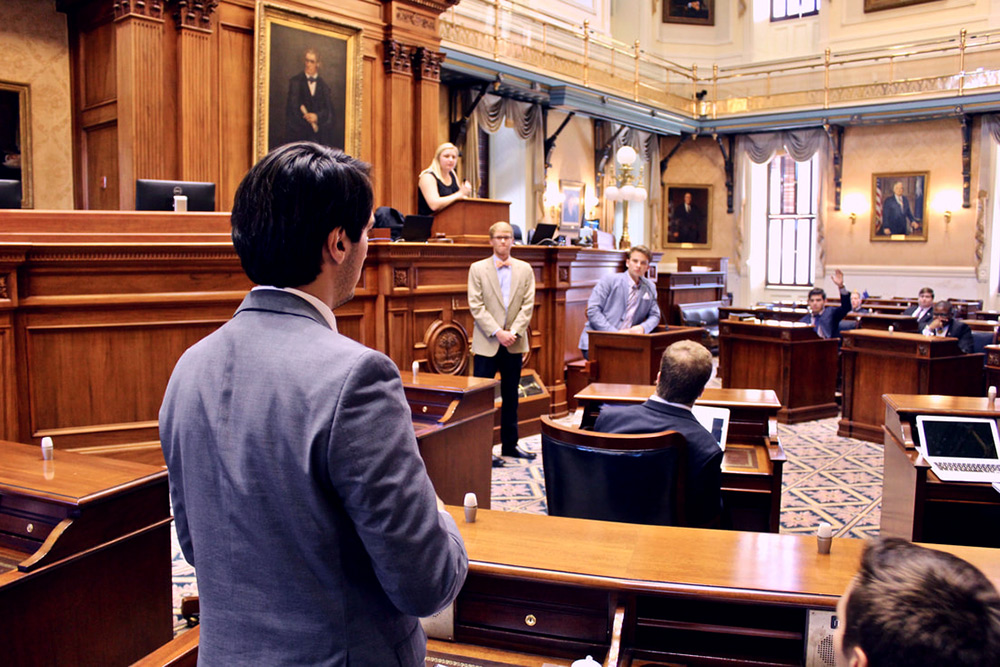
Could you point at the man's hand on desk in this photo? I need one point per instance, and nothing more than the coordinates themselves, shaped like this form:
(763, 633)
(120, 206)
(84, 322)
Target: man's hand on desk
(634, 329)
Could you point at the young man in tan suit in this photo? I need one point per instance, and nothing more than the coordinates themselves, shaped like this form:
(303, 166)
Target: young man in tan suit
(501, 299)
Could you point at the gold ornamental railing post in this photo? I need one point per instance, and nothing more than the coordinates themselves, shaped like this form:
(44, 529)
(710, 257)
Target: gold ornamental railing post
(635, 81)
(826, 79)
(715, 90)
(961, 61)
(496, 29)
(695, 111)
(586, 53)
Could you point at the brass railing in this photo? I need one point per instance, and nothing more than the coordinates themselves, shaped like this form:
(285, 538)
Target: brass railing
(510, 30)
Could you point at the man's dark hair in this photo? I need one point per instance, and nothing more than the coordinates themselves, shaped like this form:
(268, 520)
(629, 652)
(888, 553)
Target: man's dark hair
(914, 606)
(817, 291)
(926, 290)
(943, 305)
(287, 205)
(685, 368)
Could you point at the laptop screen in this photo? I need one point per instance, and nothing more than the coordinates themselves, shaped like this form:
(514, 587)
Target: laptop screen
(958, 437)
(715, 420)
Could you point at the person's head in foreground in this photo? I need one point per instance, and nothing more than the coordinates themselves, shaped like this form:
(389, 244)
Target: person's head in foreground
(685, 368)
(302, 211)
(913, 606)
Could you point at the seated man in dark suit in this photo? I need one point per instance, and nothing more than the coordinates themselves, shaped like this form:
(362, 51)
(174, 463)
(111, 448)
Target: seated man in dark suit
(826, 320)
(913, 606)
(684, 369)
(856, 309)
(922, 308)
(944, 324)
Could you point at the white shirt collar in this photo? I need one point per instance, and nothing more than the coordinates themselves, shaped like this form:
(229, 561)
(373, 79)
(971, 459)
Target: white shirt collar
(658, 399)
(315, 302)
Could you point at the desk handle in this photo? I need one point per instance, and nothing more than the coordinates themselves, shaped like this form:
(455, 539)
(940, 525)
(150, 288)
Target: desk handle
(530, 620)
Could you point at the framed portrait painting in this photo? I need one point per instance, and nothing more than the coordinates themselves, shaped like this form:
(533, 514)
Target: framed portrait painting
(697, 12)
(687, 216)
(899, 206)
(879, 5)
(15, 144)
(308, 74)
(572, 192)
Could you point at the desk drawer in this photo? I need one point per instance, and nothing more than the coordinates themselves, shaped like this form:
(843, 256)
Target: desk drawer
(536, 609)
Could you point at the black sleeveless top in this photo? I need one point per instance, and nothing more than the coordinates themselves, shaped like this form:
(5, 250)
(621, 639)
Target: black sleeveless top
(423, 208)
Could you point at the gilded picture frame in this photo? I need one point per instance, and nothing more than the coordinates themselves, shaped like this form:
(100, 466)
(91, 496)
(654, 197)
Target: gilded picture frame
(292, 47)
(15, 138)
(684, 226)
(902, 218)
(572, 208)
(879, 5)
(695, 12)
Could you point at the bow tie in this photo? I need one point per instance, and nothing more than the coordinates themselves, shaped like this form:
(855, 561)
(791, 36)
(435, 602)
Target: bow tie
(502, 262)
(311, 80)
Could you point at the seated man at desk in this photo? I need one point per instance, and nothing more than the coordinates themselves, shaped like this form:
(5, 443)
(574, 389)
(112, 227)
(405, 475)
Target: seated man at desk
(685, 368)
(944, 324)
(909, 605)
(623, 301)
(826, 320)
(921, 310)
(857, 308)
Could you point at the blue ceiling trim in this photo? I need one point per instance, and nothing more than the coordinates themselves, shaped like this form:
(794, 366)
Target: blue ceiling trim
(570, 97)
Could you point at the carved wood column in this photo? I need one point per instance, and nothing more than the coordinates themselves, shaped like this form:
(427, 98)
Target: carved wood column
(411, 125)
(139, 33)
(198, 159)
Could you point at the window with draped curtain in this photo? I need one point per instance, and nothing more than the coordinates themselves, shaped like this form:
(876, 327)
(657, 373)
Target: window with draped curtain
(791, 221)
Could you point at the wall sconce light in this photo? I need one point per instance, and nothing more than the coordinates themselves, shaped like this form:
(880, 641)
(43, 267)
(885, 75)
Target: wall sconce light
(857, 204)
(553, 201)
(853, 217)
(947, 217)
(628, 188)
(590, 203)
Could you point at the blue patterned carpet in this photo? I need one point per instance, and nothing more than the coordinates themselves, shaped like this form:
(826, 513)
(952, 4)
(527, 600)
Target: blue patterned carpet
(826, 478)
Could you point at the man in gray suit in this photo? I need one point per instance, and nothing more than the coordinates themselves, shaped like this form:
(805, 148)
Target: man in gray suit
(623, 301)
(501, 300)
(297, 488)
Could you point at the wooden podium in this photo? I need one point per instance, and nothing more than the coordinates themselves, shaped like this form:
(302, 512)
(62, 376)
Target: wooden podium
(674, 289)
(631, 358)
(879, 362)
(469, 220)
(453, 421)
(84, 558)
(918, 506)
(793, 361)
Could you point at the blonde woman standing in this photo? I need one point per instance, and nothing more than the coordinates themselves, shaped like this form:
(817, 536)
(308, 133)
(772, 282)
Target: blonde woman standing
(438, 185)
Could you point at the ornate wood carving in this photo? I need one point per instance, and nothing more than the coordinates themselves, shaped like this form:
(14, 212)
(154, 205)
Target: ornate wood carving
(427, 64)
(416, 20)
(398, 57)
(447, 348)
(194, 13)
(149, 8)
(564, 274)
(438, 6)
(4, 291)
(399, 278)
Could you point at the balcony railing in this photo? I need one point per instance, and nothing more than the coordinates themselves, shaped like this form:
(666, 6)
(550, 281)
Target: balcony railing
(510, 30)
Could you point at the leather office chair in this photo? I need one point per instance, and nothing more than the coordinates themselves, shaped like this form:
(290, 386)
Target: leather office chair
(614, 477)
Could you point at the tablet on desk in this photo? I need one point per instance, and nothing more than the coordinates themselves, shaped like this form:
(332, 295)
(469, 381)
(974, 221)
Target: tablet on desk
(715, 420)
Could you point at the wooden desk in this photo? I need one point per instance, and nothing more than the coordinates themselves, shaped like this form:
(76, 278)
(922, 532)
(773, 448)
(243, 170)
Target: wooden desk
(453, 421)
(799, 366)
(916, 505)
(469, 220)
(547, 590)
(649, 592)
(882, 322)
(634, 358)
(84, 558)
(751, 468)
(879, 362)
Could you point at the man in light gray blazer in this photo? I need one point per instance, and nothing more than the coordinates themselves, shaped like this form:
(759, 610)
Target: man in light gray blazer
(609, 307)
(298, 492)
(501, 299)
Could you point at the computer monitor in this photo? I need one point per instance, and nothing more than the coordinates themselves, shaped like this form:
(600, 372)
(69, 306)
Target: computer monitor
(570, 231)
(153, 195)
(10, 193)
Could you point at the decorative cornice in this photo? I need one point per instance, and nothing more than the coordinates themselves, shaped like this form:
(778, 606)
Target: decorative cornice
(417, 20)
(398, 57)
(152, 9)
(427, 64)
(194, 13)
(439, 6)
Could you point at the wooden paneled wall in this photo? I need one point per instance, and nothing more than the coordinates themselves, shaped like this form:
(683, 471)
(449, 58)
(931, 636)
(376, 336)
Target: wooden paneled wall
(96, 307)
(164, 89)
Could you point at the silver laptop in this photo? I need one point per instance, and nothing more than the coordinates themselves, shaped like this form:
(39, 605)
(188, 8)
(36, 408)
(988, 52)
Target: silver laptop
(960, 449)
